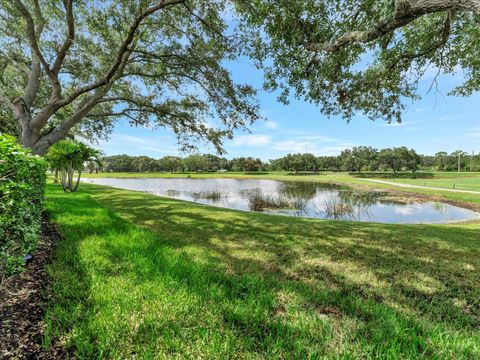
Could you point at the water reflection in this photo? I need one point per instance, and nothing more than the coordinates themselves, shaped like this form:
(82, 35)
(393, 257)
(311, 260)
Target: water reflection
(306, 199)
(349, 205)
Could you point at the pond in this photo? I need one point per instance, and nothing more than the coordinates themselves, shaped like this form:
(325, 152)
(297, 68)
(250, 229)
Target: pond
(305, 199)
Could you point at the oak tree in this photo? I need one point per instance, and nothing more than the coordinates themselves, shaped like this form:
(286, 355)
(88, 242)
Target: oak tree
(77, 66)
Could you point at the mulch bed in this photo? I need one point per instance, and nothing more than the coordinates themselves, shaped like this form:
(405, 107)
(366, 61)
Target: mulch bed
(22, 301)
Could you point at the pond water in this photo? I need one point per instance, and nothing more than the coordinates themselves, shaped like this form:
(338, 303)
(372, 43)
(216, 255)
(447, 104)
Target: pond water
(305, 199)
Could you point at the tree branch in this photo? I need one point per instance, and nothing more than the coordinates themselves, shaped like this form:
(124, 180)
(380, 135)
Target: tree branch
(33, 39)
(68, 4)
(122, 52)
(406, 12)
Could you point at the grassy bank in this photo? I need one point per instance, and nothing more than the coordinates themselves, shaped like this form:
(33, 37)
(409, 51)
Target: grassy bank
(459, 183)
(140, 275)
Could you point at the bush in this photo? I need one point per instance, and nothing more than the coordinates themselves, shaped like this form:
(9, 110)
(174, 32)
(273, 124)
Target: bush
(22, 185)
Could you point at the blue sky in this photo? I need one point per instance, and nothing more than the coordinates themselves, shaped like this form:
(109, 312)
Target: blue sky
(436, 123)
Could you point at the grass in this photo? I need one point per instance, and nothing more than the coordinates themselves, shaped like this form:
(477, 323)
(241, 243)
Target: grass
(258, 201)
(459, 183)
(147, 277)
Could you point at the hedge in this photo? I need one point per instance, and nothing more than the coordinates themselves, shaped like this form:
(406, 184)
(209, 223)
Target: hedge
(22, 185)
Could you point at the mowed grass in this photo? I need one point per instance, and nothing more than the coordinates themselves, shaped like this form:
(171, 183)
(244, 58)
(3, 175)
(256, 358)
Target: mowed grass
(140, 276)
(459, 182)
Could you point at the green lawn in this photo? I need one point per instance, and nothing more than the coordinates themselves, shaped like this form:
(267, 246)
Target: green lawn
(148, 277)
(458, 182)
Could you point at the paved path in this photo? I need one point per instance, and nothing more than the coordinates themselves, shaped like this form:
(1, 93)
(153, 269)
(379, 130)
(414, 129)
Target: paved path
(420, 187)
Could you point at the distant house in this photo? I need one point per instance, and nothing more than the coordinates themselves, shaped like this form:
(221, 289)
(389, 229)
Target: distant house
(222, 170)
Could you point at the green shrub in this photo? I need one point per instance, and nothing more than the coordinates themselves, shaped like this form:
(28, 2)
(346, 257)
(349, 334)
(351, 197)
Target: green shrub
(22, 185)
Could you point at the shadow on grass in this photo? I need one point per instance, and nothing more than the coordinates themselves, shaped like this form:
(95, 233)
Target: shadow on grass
(265, 285)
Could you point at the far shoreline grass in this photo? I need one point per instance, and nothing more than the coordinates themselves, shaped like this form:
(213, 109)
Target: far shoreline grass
(141, 275)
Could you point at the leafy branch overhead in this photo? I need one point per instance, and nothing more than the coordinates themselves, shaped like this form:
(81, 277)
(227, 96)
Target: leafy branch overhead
(364, 55)
(76, 67)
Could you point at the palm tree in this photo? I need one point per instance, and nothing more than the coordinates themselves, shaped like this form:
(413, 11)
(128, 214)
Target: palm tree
(67, 157)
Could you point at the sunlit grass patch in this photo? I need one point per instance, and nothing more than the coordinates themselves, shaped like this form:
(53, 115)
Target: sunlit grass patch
(143, 276)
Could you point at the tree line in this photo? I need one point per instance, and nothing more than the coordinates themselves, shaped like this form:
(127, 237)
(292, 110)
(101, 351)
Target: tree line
(194, 162)
(356, 159)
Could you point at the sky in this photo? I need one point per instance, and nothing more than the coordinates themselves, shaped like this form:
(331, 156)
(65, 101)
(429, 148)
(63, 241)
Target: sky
(436, 123)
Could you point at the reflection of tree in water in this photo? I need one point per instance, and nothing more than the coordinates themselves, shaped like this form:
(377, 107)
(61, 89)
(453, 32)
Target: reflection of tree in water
(213, 196)
(360, 198)
(439, 207)
(172, 193)
(298, 190)
(350, 204)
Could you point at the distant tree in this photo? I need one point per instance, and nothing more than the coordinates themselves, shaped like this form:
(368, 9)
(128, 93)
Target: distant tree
(391, 159)
(309, 162)
(441, 160)
(459, 160)
(332, 163)
(348, 160)
(296, 162)
(118, 163)
(95, 163)
(359, 158)
(142, 163)
(246, 164)
(252, 164)
(238, 164)
(216, 163)
(427, 161)
(171, 163)
(195, 162)
(411, 159)
(399, 158)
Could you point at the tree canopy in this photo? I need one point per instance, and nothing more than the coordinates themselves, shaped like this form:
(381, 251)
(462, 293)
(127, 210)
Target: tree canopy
(77, 66)
(74, 67)
(364, 55)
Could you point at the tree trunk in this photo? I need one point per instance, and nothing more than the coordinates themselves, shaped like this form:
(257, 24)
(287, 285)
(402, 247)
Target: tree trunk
(41, 146)
(63, 179)
(78, 181)
(70, 179)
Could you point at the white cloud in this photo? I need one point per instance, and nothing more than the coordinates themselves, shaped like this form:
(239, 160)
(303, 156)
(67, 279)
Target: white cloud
(252, 140)
(320, 138)
(269, 124)
(293, 146)
(405, 210)
(166, 150)
(332, 150)
(136, 145)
